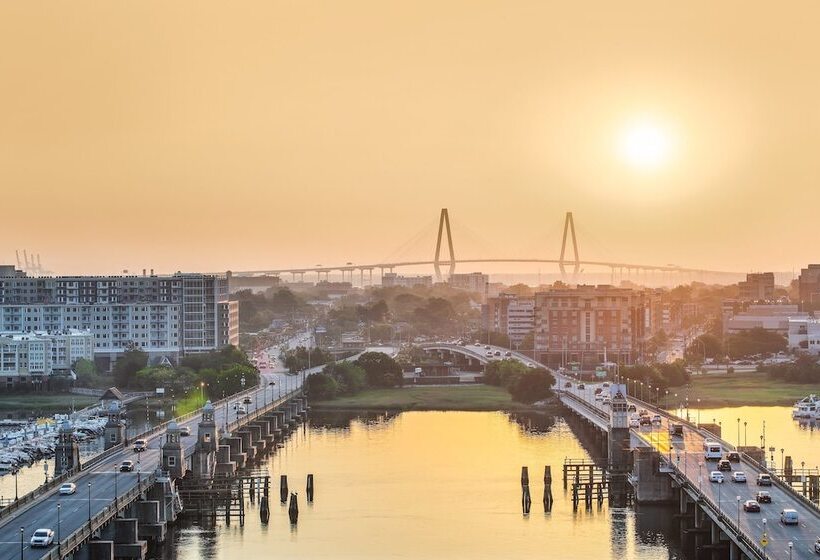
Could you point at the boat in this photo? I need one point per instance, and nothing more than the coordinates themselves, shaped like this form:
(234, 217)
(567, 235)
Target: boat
(807, 407)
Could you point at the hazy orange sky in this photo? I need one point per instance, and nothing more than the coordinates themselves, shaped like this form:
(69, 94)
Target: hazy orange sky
(211, 135)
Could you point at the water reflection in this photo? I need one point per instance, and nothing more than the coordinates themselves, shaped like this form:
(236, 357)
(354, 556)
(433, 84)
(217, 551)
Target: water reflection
(431, 485)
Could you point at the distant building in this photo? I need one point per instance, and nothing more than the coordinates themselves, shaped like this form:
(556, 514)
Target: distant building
(510, 315)
(809, 287)
(9, 271)
(390, 279)
(586, 323)
(804, 335)
(256, 284)
(772, 317)
(165, 316)
(757, 287)
(476, 282)
(28, 359)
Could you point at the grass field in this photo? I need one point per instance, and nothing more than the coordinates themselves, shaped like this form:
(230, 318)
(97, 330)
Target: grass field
(54, 403)
(737, 389)
(453, 397)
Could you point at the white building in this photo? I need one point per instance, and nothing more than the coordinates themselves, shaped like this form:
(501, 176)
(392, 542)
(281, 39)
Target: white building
(32, 357)
(392, 279)
(520, 319)
(773, 318)
(476, 282)
(804, 335)
(165, 316)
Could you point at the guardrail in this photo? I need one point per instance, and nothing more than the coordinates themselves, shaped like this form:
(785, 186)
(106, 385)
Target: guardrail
(87, 530)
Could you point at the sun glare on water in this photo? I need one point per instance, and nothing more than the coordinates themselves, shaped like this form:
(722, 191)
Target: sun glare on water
(645, 145)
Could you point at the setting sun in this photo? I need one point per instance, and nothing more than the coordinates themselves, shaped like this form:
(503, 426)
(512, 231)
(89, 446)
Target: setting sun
(645, 145)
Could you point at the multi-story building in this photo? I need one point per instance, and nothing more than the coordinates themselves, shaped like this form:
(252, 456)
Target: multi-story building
(589, 325)
(476, 282)
(392, 279)
(804, 335)
(775, 318)
(30, 358)
(166, 316)
(757, 287)
(809, 287)
(511, 315)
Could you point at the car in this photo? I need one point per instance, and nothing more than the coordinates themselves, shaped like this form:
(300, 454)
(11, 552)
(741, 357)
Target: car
(140, 445)
(508, 354)
(739, 476)
(763, 497)
(498, 352)
(127, 466)
(676, 430)
(241, 410)
(645, 421)
(567, 385)
(724, 465)
(764, 479)
(789, 517)
(478, 344)
(733, 456)
(657, 419)
(68, 488)
(817, 545)
(751, 505)
(599, 397)
(581, 386)
(489, 354)
(606, 385)
(487, 347)
(634, 423)
(716, 476)
(185, 431)
(607, 401)
(42, 538)
(530, 364)
(598, 390)
(631, 408)
(247, 400)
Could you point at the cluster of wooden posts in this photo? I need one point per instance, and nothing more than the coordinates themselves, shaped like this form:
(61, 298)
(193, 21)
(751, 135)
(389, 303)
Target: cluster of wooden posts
(526, 499)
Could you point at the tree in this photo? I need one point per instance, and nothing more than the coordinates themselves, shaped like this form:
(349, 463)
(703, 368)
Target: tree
(531, 386)
(351, 379)
(503, 373)
(87, 373)
(127, 366)
(381, 370)
(754, 341)
(321, 386)
(707, 345)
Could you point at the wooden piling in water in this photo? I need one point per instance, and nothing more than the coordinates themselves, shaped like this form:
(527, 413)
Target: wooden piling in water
(526, 499)
(293, 509)
(283, 488)
(547, 488)
(264, 509)
(309, 488)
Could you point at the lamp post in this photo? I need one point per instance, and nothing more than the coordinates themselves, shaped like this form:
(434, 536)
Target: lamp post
(791, 546)
(15, 486)
(116, 489)
(89, 506)
(698, 411)
(745, 433)
(22, 542)
(738, 431)
(700, 477)
(782, 460)
(738, 513)
(202, 391)
(59, 535)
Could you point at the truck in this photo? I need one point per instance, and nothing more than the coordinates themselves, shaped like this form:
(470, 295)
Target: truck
(676, 430)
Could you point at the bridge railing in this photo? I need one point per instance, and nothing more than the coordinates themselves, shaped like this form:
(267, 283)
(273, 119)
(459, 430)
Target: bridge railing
(239, 422)
(86, 531)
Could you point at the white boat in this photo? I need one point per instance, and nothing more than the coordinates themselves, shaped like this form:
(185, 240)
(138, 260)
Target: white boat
(807, 407)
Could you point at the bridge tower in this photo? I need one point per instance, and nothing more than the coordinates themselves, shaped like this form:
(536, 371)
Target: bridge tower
(67, 451)
(173, 457)
(569, 227)
(619, 460)
(444, 224)
(204, 460)
(114, 427)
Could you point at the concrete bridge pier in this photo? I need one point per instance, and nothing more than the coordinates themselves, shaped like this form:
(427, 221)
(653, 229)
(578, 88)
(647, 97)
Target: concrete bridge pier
(126, 539)
(238, 457)
(259, 443)
(151, 527)
(224, 464)
(294, 411)
(247, 444)
(276, 426)
(651, 485)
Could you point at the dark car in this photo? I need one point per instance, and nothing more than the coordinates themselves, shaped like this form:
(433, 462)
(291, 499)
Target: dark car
(751, 505)
(126, 466)
(763, 497)
(581, 386)
(733, 457)
(645, 421)
(724, 465)
(631, 408)
(598, 391)
(764, 480)
(567, 385)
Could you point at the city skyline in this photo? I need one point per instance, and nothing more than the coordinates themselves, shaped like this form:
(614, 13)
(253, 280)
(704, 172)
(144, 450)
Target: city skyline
(287, 135)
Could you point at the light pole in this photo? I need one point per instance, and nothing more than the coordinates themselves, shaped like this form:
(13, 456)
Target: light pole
(738, 432)
(745, 433)
(59, 536)
(89, 507)
(700, 477)
(738, 513)
(22, 542)
(698, 411)
(791, 546)
(15, 486)
(202, 391)
(116, 489)
(782, 461)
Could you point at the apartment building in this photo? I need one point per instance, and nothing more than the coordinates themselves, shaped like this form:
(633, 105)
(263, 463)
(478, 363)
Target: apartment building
(590, 324)
(29, 359)
(804, 335)
(166, 316)
(475, 282)
(511, 315)
(757, 287)
(390, 279)
(809, 287)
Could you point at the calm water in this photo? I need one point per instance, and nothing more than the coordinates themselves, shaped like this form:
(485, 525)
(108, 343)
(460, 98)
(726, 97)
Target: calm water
(431, 485)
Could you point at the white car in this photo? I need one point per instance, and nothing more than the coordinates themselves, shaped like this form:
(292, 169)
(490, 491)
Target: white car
(739, 476)
(68, 488)
(42, 537)
(716, 476)
(634, 423)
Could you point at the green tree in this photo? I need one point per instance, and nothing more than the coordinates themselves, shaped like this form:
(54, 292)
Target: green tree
(706, 344)
(753, 342)
(87, 373)
(531, 386)
(351, 378)
(321, 386)
(503, 373)
(127, 366)
(381, 370)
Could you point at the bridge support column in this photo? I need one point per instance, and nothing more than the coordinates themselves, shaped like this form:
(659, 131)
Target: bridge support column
(126, 539)
(651, 486)
(237, 456)
(247, 444)
(715, 540)
(224, 465)
(101, 550)
(151, 528)
(734, 551)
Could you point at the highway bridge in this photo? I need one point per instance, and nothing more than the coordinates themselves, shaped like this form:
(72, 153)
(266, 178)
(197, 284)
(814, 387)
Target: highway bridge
(674, 469)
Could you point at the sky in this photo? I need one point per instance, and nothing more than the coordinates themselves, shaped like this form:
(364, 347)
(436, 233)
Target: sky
(202, 135)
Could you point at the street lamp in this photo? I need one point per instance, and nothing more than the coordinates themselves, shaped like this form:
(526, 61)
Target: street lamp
(58, 528)
(698, 411)
(745, 433)
(202, 391)
(738, 432)
(738, 513)
(89, 507)
(700, 477)
(116, 489)
(782, 460)
(15, 486)
(791, 546)
(22, 541)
